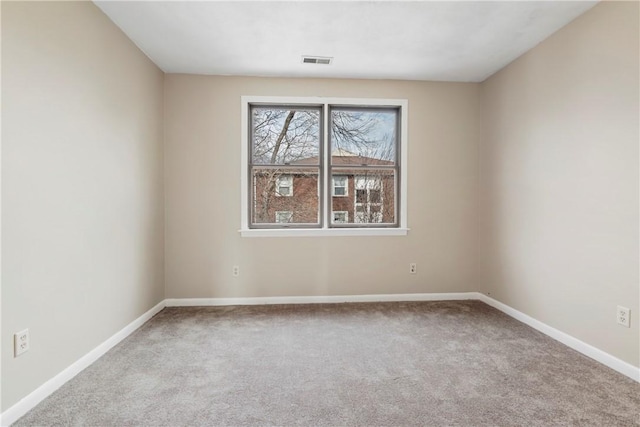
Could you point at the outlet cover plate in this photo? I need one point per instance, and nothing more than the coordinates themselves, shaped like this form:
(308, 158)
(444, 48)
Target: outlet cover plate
(20, 342)
(622, 315)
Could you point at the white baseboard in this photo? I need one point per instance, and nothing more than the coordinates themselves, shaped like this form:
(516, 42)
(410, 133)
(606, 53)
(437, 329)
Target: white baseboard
(588, 350)
(193, 302)
(12, 414)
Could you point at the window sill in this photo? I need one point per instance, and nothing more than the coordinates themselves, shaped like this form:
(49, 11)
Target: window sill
(324, 232)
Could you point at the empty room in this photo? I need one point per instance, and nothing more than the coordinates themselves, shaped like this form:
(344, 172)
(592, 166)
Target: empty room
(320, 213)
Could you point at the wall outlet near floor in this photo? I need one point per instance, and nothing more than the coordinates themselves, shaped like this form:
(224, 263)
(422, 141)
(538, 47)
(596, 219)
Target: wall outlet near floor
(413, 268)
(20, 342)
(622, 315)
(236, 270)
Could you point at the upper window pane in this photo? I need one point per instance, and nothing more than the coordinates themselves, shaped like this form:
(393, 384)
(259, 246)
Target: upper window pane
(282, 136)
(363, 136)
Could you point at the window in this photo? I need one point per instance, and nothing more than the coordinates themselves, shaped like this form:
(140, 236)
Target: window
(347, 159)
(369, 205)
(340, 186)
(364, 146)
(340, 217)
(285, 148)
(284, 185)
(283, 216)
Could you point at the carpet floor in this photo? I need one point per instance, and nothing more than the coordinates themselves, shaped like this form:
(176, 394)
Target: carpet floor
(452, 363)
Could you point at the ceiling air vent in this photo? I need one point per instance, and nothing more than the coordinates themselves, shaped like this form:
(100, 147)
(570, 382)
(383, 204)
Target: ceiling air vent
(322, 60)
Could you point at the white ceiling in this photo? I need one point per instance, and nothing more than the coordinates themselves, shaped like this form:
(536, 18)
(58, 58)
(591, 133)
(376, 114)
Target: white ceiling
(415, 40)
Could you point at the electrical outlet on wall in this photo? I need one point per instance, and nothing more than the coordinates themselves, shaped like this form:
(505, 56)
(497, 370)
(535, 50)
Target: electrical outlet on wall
(622, 316)
(413, 268)
(20, 342)
(236, 270)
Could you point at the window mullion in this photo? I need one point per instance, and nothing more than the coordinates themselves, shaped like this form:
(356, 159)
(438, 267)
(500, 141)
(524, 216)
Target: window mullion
(326, 188)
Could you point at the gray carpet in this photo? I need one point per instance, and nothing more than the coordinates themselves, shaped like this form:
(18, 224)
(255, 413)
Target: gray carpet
(432, 363)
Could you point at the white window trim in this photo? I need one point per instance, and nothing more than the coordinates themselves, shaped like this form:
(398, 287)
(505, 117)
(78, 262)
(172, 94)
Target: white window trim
(245, 231)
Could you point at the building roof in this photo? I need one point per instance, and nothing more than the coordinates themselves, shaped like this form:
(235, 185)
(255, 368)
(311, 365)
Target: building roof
(342, 157)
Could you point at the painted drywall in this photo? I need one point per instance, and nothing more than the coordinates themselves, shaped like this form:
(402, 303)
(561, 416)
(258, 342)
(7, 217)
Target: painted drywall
(559, 180)
(202, 193)
(82, 199)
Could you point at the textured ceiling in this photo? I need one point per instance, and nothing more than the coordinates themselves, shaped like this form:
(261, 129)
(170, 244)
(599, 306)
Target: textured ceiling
(447, 41)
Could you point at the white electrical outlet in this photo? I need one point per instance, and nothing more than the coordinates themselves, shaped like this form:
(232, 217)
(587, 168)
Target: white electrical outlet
(622, 315)
(20, 342)
(413, 268)
(236, 270)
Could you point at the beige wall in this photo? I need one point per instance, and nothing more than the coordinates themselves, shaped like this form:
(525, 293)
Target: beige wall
(202, 179)
(559, 180)
(82, 219)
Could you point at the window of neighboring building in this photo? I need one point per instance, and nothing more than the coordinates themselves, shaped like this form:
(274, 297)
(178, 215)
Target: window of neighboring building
(340, 186)
(283, 217)
(340, 217)
(287, 144)
(284, 185)
(369, 206)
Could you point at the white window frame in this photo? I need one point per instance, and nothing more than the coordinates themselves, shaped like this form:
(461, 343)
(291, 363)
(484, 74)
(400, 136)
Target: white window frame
(402, 228)
(289, 178)
(346, 186)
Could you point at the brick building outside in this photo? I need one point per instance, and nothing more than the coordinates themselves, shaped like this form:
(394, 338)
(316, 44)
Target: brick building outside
(358, 195)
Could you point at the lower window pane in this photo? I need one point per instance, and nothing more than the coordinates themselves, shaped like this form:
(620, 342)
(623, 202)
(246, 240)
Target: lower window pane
(371, 198)
(285, 196)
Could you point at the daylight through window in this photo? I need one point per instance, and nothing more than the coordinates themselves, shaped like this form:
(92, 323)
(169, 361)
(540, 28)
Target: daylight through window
(300, 177)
